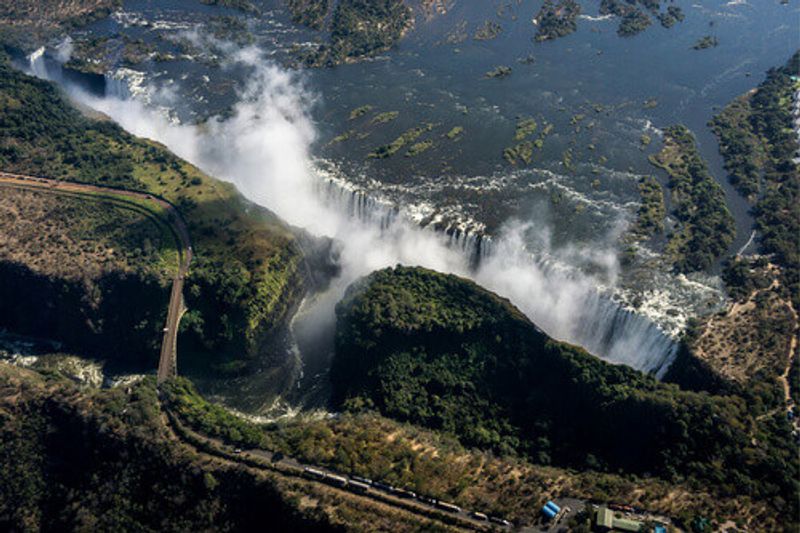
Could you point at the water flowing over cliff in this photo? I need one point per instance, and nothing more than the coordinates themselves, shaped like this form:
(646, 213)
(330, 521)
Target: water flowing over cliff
(265, 148)
(557, 297)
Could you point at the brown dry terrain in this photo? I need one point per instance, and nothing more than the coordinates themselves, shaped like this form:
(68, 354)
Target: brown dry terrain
(752, 339)
(433, 464)
(123, 430)
(80, 238)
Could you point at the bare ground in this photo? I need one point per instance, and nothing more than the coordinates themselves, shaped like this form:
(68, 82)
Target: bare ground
(75, 238)
(752, 338)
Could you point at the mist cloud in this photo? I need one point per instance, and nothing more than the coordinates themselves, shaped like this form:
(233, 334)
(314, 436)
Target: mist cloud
(264, 147)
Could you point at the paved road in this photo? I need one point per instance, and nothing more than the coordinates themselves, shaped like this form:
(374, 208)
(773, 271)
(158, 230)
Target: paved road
(168, 360)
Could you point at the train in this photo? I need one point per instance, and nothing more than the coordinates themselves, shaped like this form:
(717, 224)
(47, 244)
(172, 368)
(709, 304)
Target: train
(362, 485)
(449, 507)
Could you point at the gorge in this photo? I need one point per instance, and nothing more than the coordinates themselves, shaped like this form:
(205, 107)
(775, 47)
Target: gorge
(265, 149)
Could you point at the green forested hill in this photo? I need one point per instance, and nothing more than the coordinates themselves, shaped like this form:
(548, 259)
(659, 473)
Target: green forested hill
(439, 351)
(246, 272)
(758, 142)
(75, 460)
(705, 225)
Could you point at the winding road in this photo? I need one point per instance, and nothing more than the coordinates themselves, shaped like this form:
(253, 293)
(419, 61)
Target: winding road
(168, 360)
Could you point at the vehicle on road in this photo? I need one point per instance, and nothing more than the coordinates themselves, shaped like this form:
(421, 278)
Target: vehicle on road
(427, 499)
(403, 493)
(382, 486)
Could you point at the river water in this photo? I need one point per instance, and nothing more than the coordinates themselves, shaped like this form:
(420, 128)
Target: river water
(557, 220)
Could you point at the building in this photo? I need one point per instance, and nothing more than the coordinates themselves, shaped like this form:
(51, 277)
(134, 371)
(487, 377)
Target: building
(626, 524)
(606, 521)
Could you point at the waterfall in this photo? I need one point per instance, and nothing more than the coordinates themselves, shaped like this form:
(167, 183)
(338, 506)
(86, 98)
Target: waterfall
(358, 204)
(558, 298)
(476, 246)
(117, 86)
(620, 335)
(37, 65)
(564, 302)
(50, 65)
(365, 208)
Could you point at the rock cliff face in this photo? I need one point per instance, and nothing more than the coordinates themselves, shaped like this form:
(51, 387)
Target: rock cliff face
(118, 316)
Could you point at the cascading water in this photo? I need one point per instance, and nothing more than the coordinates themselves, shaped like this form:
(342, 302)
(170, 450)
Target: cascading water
(117, 86)
(476, 246)
(37, 65)
(561, 300)
(607, 329)
(357, 204)
(583, 314)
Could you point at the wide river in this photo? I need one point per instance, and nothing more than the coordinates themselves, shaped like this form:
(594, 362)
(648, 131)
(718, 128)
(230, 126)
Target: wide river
(600, 98)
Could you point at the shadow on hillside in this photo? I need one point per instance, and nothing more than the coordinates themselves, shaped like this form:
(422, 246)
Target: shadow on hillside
(117, 318)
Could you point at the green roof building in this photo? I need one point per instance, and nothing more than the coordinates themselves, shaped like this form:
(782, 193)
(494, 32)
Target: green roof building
(605, 518)
(606, 521)
(626, 524)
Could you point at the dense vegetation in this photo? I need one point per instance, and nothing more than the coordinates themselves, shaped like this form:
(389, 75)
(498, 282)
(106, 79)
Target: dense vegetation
(499, 72)
(80, 237)
(119, 319)
(759, 145)
(651, 213)
(68, 264)
(25, 22)
(99, 461)
(406, 138)
(358, 29)
(750, 344)
(557, 19)
(309, 13)
(522, 151)
(95, 54)
(437, 465)
(707, 41)
(672, 15)
(487, 31)
(706, 227)
(247, 269)
(634, 16)
(210, 419)
(440, 351)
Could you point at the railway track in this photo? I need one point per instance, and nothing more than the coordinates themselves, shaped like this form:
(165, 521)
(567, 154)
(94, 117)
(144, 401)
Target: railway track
(357, 487)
